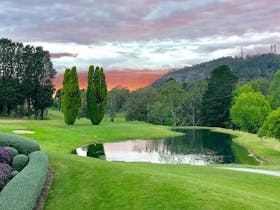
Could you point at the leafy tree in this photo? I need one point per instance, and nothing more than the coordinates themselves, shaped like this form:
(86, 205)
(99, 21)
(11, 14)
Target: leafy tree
(139, 103)
(43, 99)
(217, 99)
(70, 96)
(117, 98)
(42, 81)
(271, 126)
(159, 114)
(261, 84)
(274, 97)
(246, 88)
(172, 96)
(192, 104)
(249, 111)
(25, 72)
(96, 94)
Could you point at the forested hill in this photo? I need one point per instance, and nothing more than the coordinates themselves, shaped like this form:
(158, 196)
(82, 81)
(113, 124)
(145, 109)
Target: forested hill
(245, 69)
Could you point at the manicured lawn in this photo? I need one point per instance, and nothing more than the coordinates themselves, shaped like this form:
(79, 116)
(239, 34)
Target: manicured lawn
(89, 183)
(56, 136)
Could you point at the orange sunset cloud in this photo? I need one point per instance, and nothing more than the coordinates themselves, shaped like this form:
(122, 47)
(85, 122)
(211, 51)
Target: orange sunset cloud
(132, 79)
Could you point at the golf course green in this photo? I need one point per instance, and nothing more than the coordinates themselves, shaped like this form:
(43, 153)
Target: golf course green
(90, 183)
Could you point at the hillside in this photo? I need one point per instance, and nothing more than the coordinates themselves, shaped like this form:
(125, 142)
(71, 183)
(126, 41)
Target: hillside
(246, 69)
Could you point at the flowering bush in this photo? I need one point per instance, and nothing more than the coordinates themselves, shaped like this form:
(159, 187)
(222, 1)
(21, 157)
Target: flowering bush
(5, 174)
(5, 156)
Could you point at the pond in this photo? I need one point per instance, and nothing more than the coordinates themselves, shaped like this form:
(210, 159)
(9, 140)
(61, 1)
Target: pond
(195, 147)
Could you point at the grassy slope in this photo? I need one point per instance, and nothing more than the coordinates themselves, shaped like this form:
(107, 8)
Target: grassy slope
(88, 183)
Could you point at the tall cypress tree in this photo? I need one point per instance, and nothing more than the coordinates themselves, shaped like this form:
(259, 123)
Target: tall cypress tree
(71, 100)
(96, 94)
(91, 94)
(217, 99)
(65, 95)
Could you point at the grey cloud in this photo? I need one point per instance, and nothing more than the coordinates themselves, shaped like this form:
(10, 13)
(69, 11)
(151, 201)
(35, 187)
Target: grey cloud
(123, 20)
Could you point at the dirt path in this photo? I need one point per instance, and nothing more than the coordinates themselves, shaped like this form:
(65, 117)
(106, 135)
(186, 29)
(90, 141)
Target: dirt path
(257, 171)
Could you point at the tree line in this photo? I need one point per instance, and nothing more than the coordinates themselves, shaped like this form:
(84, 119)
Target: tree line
(222, 101)
(26, 79)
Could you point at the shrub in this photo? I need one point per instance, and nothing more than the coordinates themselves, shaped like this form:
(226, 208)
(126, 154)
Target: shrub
(22, 144)
(23, 190)
(12, 150)
(5, 156)
(19, 162)
(271, 126)
(5, 174)
(14, 173)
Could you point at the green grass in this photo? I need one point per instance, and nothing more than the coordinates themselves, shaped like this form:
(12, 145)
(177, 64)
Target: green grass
(54, 135)
(89, 183)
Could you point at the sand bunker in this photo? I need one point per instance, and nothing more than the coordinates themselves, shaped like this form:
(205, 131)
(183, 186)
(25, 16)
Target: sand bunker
(23, 132)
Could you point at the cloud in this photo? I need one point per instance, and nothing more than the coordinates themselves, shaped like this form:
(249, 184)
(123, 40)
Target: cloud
(88, 22)
(60, 55)
(147, 34)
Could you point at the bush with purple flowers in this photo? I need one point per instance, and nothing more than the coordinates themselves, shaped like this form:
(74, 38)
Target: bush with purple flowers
(5, 156)
(5, 174)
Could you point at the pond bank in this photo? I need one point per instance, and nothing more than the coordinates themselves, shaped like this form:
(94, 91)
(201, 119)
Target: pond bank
(256, 171)
(267, 149)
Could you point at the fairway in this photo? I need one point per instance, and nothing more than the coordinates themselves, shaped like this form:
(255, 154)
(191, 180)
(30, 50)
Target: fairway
(89, 183)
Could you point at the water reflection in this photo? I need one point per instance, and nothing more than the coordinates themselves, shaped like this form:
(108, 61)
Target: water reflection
(196, 147)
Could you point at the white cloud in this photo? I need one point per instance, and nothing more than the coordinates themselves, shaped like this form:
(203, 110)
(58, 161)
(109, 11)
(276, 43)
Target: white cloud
(155, 54)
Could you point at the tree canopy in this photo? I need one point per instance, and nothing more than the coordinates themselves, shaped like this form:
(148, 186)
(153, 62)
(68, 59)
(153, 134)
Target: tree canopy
(217, 98)
(275, 91)
(26, 76)
(249, 111)
(271, 126)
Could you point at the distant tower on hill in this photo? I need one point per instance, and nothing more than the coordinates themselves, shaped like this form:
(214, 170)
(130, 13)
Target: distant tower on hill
(242, 53)
(273, 49)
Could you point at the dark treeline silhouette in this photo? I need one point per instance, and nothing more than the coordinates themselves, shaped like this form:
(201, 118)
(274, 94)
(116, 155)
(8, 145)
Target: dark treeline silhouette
(26, 74)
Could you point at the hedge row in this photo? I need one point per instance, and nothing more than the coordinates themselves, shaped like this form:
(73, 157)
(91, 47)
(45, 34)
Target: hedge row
(22, 144)
(23, 190)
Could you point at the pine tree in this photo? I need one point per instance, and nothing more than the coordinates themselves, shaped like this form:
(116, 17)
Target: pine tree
(96, 94)
(217, 99)
(71, 100)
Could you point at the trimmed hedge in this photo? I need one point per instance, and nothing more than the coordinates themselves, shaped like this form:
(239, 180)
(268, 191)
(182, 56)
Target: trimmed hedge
(12, 150)
(23, 190)
(14, 173)
(22, 144)
(19, 162)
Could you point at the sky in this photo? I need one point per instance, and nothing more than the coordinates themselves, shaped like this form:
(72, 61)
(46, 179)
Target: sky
(137, 41)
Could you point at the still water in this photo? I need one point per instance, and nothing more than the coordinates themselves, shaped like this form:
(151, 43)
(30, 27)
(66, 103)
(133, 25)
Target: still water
(195, 147)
